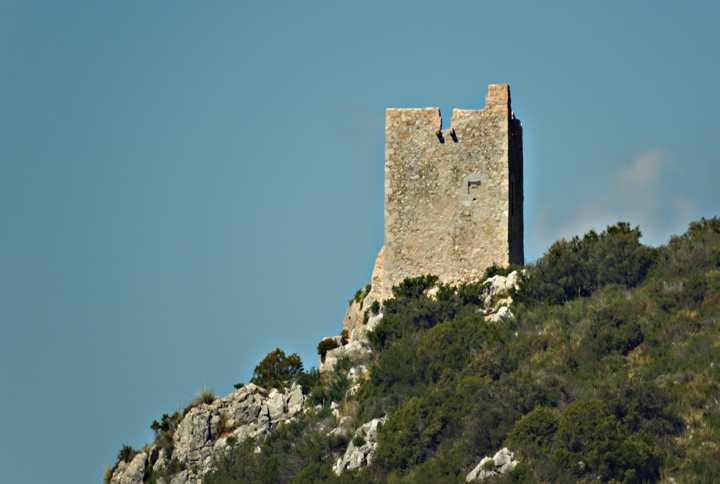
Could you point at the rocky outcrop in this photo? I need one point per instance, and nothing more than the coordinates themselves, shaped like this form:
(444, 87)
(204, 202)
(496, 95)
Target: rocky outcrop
(362, 447)
(182, 477)
(501, 463)
(497, 297)
(354, 318)
(499, 288)
(358, 351)
(499, 314)
(354, 321)
(130, 472)
(195, 436)
(376, 280)
(248, 412)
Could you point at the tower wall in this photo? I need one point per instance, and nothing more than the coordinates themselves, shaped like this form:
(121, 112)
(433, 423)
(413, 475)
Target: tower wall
(448, 207)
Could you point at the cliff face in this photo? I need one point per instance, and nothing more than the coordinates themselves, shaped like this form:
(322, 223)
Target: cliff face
(189, 451)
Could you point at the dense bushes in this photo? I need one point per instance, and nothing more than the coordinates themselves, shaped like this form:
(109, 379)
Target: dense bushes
(577, 267)
(592, 440)
(608, 372)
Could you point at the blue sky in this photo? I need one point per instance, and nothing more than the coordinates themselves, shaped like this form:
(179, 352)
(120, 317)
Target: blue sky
(185, 186)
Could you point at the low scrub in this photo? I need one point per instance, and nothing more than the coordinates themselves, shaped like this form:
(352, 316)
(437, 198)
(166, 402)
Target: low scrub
(608, 372)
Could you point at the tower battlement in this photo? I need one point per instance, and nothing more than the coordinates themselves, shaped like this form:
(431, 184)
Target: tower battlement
(453, 198)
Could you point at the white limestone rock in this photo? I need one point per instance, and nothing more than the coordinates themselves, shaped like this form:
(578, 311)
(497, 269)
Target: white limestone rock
(130, 472)
(294, 400)
(502, 312)
(373, 321)
(501, 463)
(500, 286)
(194, 436)
(356, 373)
(356, 350)
(354, 320)
(276, 405)
(360, 456)
(248, 412)
(343, 427)
(185, 477)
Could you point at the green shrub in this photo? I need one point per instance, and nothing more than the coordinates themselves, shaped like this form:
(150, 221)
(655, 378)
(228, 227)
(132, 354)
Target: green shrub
(167, 423)
(360, 295)
(496, 270)
(562, 274)
(308, 380)
(276, 369)
(314, 472)
(522, 474)
(174, 466)
(126, 454)
(489, 465)
(613, 330)
(206, 396)
(151, 475)
(576, 267)
(537, 428)
(373, 310)
(109, 471)
(326, 345)
(590, 434)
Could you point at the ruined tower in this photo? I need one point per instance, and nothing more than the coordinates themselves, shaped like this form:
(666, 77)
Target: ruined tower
(453, 198)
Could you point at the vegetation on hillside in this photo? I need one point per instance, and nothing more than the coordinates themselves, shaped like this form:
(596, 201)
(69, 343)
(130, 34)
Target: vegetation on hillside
(608, 372)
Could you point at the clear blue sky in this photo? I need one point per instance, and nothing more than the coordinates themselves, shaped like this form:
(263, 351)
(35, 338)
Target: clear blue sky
(185, 186)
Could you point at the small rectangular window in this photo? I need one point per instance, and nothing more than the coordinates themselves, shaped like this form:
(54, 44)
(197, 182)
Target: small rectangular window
(473, 188)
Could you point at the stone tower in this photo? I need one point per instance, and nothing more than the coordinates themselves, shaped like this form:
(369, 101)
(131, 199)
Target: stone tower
(453, 198)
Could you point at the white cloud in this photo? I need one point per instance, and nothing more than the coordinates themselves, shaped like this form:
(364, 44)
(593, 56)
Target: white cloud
(643, 190)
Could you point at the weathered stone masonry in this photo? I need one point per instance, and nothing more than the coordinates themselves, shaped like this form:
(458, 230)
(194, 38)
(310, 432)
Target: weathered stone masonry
(453, 198)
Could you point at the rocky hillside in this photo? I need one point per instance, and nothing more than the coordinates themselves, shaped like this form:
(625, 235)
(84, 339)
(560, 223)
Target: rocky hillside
(598, 363)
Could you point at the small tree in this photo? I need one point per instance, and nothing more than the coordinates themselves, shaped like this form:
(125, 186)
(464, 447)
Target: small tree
(326, 345)
(276, 369)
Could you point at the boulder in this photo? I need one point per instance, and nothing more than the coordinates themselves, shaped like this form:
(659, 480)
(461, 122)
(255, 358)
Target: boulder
(502, 312)
(343, 427)
(500, 286)
(501, 463)
(356, 457)
(276, 405)
(358, 351)
(130, 472)
(294, 400)
(356, 373)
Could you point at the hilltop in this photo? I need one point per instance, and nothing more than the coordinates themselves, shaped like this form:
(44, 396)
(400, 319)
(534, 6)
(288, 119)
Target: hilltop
(597, 363)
